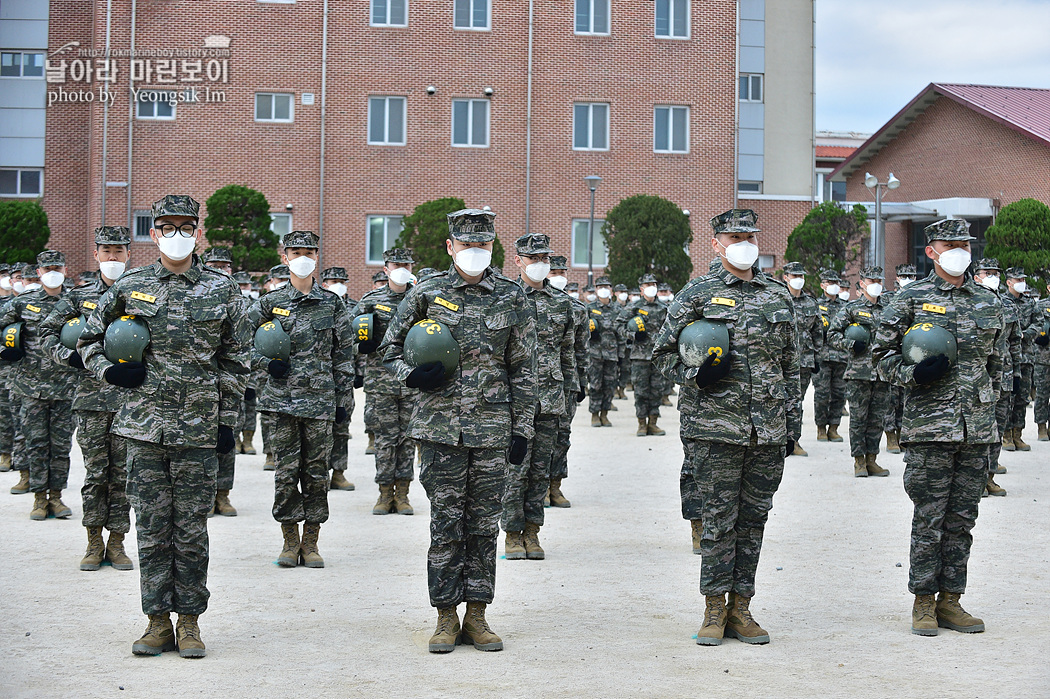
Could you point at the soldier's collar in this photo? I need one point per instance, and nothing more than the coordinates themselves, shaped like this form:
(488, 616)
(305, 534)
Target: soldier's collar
(487, 281)
(945, 285)
(546, 288)
(295, 294)
(729, 278)
(193, 274)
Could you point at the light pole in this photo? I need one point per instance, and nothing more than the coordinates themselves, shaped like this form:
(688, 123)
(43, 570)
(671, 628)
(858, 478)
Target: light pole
(592, 183)
(872, 182)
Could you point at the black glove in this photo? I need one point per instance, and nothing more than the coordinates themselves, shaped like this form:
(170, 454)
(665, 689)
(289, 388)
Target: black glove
(710, 372)
(641, 335)
(224, 445)
(278, 368)
(426, 377)
(126, 375)
(931, 369)
(249, 394)
(790, 447)
(518, 447)
(859, 347)
(340, 415)
(359, 381)
(580, 395)
(1017, 384)
(816, 367)
(367, 347)
(75, 360)
(11, 354)
(596, 336)
(1042, 340)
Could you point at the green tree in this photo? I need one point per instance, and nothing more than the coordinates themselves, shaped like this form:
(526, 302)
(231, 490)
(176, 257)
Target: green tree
(647, 234)
(1020, 237)
(426, 229)
(829, 237)
(23, 230)
(239, 218)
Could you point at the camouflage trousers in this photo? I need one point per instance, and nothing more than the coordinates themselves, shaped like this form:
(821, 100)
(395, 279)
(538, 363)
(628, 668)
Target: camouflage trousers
(945, 482)
(1041, 379)
(528, 482)
(47, 426)
(301, 447)
(648, 388)
(689, 484)
(339, 459)
(560, 458)
(172, 490)
(626, 372)
(224, 474)
(829, 393)
(249, 416)
(465, 487)
(106, 478)
(735, 485)
(805, 374)
(266, 425)
(868, 403)
(1021, 396)
(602, 376)
(18, 437)
(370, 414)
(1003, 407)
(894, 416)
(395, 451)
(7, 419)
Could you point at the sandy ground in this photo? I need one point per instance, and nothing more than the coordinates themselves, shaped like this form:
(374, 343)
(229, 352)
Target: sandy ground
(612, 611)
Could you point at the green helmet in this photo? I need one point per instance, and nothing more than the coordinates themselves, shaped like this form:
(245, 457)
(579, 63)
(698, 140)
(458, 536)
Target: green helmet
(364, 326)
(71, 332)
(856, 331)
(924, 340)
(702, 338)
(430, 341)
(126, 340)
(13, 335)
(636, 324)
(272, 341)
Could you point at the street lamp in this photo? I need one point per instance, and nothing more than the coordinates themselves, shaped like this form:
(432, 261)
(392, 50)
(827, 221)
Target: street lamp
(592, 184)
(872, 182)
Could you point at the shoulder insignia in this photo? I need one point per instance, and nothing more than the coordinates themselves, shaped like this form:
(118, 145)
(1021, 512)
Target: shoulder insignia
(643, 311)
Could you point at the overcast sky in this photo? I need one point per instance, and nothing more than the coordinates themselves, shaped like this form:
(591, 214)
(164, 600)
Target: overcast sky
(874, 56)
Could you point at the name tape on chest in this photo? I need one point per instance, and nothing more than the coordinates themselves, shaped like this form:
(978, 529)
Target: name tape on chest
(90, 306)
(281, 312)
(386, 309)
(31, 307)
(596, 312)
(442, 302)
(139, 296)
(933, 308)
(823, 308)
(864, 314)
(723, 301)
(643, 311)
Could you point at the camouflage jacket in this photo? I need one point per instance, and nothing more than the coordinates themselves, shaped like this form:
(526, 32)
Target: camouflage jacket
(382, 303)
(862, 312)
(761, 396)
(555, 345)
(581, 338)
(653, 314)
(1009, 342)
(7, 369)
(960, 406)
(1030, 327)
(809, 328)
(321, 374)
(197, 359)
(492, 394)
(828, 308)
(606, 317)
(1039, 319)
(36, 376)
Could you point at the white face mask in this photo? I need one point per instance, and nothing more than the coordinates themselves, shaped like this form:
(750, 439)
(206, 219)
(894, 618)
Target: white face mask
(246, 293)
(604, 293)
(538, 271)
(112, 270)
(622, 296)
(278, 285)
(399, 276)
(18, 287)
(797, 283)
(52, 280)
(254, 294)
(664, 298)
(337, 288)
(32, 286)
(591, 298)
(1019, 287)
(874, 290)
(844, 295)
(991, 283)
(473, 261)
(574, 294)
(649, 291)
(558, 282)
(955, 261)
(5, 283)
(741, 255)
(904, 282)
(176, 247)
(833, 289)
(302, 267)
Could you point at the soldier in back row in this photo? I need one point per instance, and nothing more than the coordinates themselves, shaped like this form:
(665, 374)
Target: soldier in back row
(334, 279)
(605, 349)
(577, 389)
(811, 330)
(829, 384)
(642, 321)
(1017, 286)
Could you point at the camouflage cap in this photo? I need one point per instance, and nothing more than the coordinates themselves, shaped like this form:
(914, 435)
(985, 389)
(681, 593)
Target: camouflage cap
(735, 221)
(620, 288)
(112, 235)
(589, 287)
(1011, 273)
(49, 258)
(472, 226)
(948, 229)
(559, 262)
(404, 256)
(647, 279)
(29, 272)
(572, 286)
(280, 272)
(425, 273)
(88, 276)
(219, 253)
(4, 268)
(663, 286)
(242, 278)
(794, 268)
(873, 272)
(830, 275)
(379, 276)
(986, 264)
(301, 239)
(906, 271)
(334, 273)
(176, 205)
(602, 281)
(533, 244)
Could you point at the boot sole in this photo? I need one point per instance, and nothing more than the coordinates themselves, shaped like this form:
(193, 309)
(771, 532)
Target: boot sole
(860, 475)
(753, 640)
(37, 518)
(708, 641)
(192, 653)
(564, 505)
(121, 566)
(998, 494)
(406, 512)
(380, 512)
(228, 514)
(314, 564)
(19, 492)
(143, 649)
(879, 475)
(467, 641)
(287, 562)
(90, 566)
(442, 647)
(976, 628)
(924, 632)
(515, 556)
(532, 556)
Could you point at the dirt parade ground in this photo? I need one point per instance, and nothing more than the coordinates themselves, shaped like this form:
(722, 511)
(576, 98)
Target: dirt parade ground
(611, 612)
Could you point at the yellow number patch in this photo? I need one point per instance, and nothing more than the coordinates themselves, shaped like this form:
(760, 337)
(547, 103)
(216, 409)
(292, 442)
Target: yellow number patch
(280, 312)
(823, 308)
(388, 309)
(933, 309)
(90, 306)
(447, 304)
(723, 302)
(643, 311)
(138, 295)
(269, 325)
(717, 351)
(925, 327)
(432, 327)
(864, 314)
(596, 311)
(31, 307)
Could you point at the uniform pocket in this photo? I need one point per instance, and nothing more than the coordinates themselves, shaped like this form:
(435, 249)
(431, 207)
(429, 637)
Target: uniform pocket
(207, 322)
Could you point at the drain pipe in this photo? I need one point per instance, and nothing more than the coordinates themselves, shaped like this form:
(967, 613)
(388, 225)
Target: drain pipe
(131, 118)
(324, 97)
(813, 95)
(736, 115)
(528, 130)
(105, 112)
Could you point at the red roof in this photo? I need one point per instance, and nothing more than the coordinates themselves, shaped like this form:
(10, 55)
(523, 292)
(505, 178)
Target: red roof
(834, 151)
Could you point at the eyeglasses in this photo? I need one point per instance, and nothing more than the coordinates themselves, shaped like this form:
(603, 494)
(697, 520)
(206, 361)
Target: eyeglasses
(186, 230)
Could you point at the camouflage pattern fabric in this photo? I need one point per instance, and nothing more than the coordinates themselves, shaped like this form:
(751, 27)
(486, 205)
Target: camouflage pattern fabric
(868, 404)
(810, 329)
(18, 439)
(1003, 407)
(891, 420)
(648, 383)
(301, 448)
(47, 427)
(1041, 379)
(7, 422)
(829, 308)
(1019, 410)
(249, 416)
(176, 205)
(370, 414)
(601, 383)
(1030, 323)
(225, 470)
(560, 459)
(648, 388)
(805, 376)
(339, 458)
(382, 303)
(105, 481)
(829, 393)
(36, 375)
(527, 483)
(395, 450)
(562, 442)
(689, 482)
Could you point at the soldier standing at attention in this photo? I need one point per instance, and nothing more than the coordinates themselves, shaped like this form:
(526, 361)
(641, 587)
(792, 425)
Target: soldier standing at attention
(46, 390)
(279, 276)
(829, 386)
(333, 280)
(395, 451)
(305, 396)
(14, 402)
(379, 281)
(739, 418)
(892, 421)
(1016, 282)
(622, 297)
(466, 422)
(7, 419)
(949, 421)
(648, 383)
(577, 388)
(179, 412)
(249, 416)
(605, 350)
(810, 331)
(1041, 374)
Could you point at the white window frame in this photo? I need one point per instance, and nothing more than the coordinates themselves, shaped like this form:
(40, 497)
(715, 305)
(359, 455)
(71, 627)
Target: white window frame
(751, 78)
(470, 123)
(21, 65)
(154, 103)
(590, 17)
(273, 103)
(670, 19)
(582, 223)
(136, 216)
(472, 4)
(670, 126)
(766, 262)
(284, 215)
(18, 194)
(590, 125)
(375, 257)
(388, 99)
(387, 23)
(753, 187)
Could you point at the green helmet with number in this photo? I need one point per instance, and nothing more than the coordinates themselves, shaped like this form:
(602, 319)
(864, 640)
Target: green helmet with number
(702, 338)
(272, 342)
(856, 331)
(71, 332)
(637, 324)
(924, 340)
(13, 335)
(364, 327)
(430, 341)
(126, 340)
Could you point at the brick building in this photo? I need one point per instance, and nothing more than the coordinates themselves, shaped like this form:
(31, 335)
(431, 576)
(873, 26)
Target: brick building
(347, 115)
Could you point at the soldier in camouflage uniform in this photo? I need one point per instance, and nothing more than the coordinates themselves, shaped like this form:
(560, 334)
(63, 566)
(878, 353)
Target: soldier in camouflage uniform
(621, 295)
(739, 418)
(829, 384)
(179, 410)
(868, 396)
(1041, 374)
(649, 384)
(46, 390)
(467, 421)
(8, 370)
(810, 330)
(577, 388)
(305, 396)
(379, 281)
(7, 421)
(605, 348)
(573, 290)
(280, 275)
(1016, 282)
(394, 449)
(895, 412)
(249, 416)
(333, 280)
(95, 405)
(949, 421)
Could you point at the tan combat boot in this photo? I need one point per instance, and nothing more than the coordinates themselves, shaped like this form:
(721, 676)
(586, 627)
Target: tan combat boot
(860, 467)
(22, 486)
(514, 546)
(531, 536)
(96, 550)
(115, 553)
(715, 617)
(873, 468)
(999, 469)
(924, 616)
(222, 504)
(39, 511)
(188, 637)
(446, 636)
(697, 526)
(666, 400)
(237, 445)
(951, 615)
(159, 637)
(56, 507)
(833, 433)
(5, 463)
(643, 428)
(476, 630)
(289, 557)
(799, 451)
(269, 465)
(653, 428)
(993, 488)
(401, 503)
(604, 417)
(822, 433)
(893, 445)
(547, 498)
(1043, 437)
(740, 623)
(558, 499)
(385, 503)
(339, 481)
(1018, 442)
(596, 421)
(246, 443)
(371, 448)
(308, 546)
(1008, 440)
